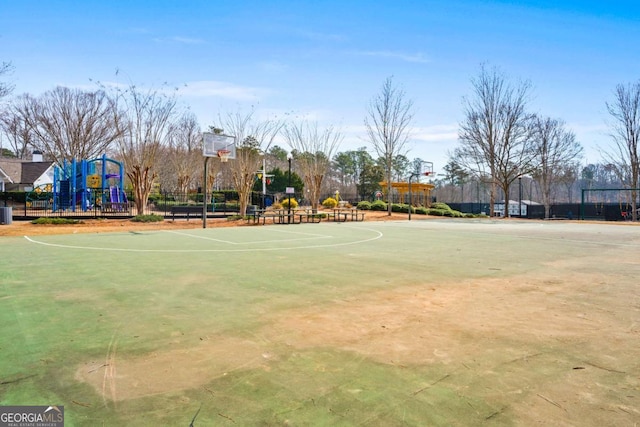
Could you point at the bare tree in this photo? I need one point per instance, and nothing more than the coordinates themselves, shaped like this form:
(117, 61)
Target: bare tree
(16, 128)
(184, 152)
(389, 116)
(555, 149)
(569, 174)
(314, 148)
(71, 123)
(494, 134)
(144, 120)
(625, 131)
(253, 139)
(5, 88)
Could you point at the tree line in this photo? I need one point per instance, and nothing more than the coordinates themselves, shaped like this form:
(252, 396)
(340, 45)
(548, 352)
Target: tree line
(500, 141)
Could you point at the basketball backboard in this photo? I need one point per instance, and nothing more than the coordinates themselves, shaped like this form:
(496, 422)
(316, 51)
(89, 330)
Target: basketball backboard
(427, 168)
(213, 143)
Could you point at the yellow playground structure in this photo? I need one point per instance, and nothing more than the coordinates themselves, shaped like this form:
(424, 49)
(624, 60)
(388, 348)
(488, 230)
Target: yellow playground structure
(421, 192)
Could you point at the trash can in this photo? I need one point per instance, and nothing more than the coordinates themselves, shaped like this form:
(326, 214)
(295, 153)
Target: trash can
(6, 215)
(252, 209)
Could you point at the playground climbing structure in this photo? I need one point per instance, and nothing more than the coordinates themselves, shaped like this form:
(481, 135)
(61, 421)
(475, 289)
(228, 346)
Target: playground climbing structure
(89, 184)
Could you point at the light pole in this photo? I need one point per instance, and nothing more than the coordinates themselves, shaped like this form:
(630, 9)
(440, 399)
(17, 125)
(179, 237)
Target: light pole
(264, 181)
(289, 189)
(520, 196)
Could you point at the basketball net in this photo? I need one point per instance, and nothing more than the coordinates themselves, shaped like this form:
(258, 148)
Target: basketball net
(224, 155)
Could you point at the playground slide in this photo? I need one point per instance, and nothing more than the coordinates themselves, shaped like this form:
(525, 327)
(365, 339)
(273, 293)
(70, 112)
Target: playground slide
(115, 195)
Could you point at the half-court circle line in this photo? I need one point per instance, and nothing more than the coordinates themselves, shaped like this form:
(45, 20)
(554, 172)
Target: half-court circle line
(376, 234)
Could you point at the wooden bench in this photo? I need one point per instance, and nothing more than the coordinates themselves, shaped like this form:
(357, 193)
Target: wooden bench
(196, 211)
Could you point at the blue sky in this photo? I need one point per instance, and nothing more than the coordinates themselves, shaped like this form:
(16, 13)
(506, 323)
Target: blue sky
(325, 60)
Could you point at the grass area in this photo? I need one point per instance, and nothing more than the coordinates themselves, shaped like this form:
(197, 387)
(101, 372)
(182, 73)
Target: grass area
(61, 221)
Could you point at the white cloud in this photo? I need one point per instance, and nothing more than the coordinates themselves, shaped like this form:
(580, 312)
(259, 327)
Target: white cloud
(415, 57)
(208, 88)
(436, 133)
(593, 129)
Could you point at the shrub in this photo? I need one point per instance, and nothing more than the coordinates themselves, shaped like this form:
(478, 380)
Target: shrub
(276, 205)
(236, 217)
(285, 203)
(400, 207)
(435, 212)
(364, 205)
(330, 203)
(379, 205)
(148, 218)
(453, 214)
(47, 220)
(421, 210)
(442, 206)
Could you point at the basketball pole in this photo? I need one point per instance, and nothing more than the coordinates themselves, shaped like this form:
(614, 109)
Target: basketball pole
(204, 190)
(413, 175)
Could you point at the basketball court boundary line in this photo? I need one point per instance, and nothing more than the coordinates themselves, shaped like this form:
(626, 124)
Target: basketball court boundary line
(313, 236)
(378, 235)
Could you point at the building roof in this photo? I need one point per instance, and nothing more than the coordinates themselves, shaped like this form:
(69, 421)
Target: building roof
(12, 169)
(21, 171)
(31, 171)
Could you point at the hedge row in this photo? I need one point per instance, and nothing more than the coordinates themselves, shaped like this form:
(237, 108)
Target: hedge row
(437, 209)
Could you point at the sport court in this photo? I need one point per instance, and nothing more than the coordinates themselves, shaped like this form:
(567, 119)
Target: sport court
(428, 322)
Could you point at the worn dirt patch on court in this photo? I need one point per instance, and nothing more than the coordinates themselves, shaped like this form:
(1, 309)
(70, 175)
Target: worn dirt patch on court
(425, 324)
(118, 379)
(560, 345)
(544, 341)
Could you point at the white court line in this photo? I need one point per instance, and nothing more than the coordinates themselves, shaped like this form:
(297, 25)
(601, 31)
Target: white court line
(313, 236)
(200, 237)
(298, 232)
(377, 235)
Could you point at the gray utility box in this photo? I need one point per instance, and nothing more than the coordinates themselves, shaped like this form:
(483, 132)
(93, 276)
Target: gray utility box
(6, 215)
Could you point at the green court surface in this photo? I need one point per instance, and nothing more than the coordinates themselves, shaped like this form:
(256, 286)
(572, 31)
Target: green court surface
(420, 323)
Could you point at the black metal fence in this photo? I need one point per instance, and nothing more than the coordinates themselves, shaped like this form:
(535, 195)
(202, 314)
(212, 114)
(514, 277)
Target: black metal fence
(588, 211)
(98, 204)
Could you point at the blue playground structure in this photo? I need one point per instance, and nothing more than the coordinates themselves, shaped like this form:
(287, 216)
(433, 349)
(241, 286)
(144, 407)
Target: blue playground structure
(89, 184)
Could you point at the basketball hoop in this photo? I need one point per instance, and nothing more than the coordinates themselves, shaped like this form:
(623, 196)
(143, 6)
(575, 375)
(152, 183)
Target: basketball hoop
(224, 155)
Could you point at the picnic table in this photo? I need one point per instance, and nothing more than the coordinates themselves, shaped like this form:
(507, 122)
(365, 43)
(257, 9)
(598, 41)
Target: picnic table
(284, 216)
(346, 214)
